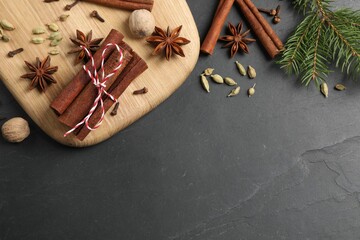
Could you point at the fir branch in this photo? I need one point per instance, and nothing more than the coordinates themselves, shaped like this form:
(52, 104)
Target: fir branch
(322, 37)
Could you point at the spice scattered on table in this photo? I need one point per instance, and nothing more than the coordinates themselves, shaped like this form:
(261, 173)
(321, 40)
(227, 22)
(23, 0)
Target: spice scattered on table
(68, 7)
(324, 89)
(95, 14)
(81, 40)
(63, 17)
(251, 91)
(6, 25)
(217, 78)
(54, 51)
(169, 40)
(38, 30)
(115, 109)
(251, 72)
(37, 40)
(141, 23)
(141, 91)
(208, 71)
(5, 38)
(13, 53)
(340, 87)
(229, 81)
(53, 27)
(241, 68)
(15, 130)
(234, 92)
(40, 73)
(204, 82)
(237, 39)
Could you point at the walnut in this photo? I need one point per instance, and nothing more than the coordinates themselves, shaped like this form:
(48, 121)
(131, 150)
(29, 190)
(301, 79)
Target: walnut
(141, 23)
(15, 130)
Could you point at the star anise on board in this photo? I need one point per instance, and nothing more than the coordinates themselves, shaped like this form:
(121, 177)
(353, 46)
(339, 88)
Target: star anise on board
(169, 40)
(81, 40)
(40, 73)
(237, 40)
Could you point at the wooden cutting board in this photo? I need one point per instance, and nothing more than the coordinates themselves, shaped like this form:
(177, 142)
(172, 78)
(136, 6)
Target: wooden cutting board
(162, 78)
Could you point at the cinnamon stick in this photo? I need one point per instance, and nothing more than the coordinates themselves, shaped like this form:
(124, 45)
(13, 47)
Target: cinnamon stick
(268, 29)
(126, 4)
(213, 34)
(81, 106)
(74, 88)
(258, 29)
(135, 68)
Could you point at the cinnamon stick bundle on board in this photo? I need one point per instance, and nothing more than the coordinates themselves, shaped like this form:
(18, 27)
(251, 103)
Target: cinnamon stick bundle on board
(125, 4)
(81, 106)
(74, 88)
(134, 69)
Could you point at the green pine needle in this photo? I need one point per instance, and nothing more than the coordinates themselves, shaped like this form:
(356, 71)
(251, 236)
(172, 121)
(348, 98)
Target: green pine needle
(323, 37)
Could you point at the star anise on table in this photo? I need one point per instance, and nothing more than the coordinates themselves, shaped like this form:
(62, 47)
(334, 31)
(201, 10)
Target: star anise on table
(81, 40)
(40, 73)
(237, 40)
(169, 40)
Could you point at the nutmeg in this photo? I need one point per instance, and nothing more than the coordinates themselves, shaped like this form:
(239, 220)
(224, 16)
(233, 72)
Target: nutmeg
(141, 23)
(15, 130)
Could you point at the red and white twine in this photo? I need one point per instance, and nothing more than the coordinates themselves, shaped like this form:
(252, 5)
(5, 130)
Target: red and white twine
(100, 86)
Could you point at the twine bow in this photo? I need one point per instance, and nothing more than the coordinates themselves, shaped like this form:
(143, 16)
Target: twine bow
(100, 86)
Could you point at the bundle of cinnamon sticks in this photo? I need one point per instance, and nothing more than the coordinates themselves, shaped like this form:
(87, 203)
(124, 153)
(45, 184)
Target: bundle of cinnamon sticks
(261, 28)
(77, 98)
(125, 4)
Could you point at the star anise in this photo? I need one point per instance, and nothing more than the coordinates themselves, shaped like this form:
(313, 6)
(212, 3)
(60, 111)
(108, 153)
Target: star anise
(170, 41)
(237, 39)
(81, 40)
(40, 74)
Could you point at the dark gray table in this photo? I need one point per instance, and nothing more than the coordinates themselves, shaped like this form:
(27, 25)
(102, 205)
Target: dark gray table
(284, 164)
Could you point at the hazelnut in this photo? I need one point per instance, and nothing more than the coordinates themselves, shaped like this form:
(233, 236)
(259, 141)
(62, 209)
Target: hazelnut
(141, 23)
(15, 130)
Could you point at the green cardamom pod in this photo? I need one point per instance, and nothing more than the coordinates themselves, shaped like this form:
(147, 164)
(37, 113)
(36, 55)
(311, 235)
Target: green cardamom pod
(5, 38)
(55, 42)
(37, 40)
(208, 71)
(217, 78)
(63, 17)
(230, 81)
(240, 68)
(205, 83)
(324, 89)
(55, 35)
(340, 87)
(38, 30)
(251, 91)
(54, 51)
(234, 92)
(251, 72)
(53, 27)
(1, 32)
(6, 25)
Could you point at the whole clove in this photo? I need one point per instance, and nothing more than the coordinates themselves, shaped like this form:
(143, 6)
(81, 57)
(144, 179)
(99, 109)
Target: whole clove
(13, 53)
(277, 18)
(141, 91)
(68, 7)
(270, 12)
(114, 111)
(49, 1)
(96, 15)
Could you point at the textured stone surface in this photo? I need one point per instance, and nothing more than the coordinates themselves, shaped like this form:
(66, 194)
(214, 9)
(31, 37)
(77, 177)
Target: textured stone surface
(284, 164)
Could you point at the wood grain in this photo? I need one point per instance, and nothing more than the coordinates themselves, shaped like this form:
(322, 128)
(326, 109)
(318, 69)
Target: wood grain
(162, 78)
